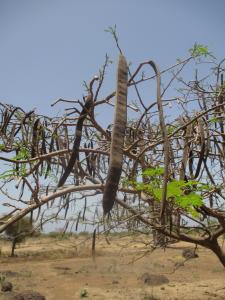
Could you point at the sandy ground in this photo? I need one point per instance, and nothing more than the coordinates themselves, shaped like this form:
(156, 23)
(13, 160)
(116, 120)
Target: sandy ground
(64, 269)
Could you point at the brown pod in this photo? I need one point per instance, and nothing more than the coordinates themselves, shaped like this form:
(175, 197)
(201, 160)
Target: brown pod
(76, 145)
(117, 139)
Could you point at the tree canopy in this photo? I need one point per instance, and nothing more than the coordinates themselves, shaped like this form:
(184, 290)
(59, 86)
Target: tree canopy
(172, 175)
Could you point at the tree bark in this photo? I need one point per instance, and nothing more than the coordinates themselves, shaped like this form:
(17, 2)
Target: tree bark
(13, 248)
(215, 247)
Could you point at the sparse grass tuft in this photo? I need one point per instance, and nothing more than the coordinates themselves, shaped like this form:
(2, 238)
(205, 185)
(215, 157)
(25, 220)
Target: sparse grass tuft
(83, 293)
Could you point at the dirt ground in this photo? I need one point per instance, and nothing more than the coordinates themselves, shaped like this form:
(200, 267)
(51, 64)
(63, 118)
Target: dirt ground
(63, 269)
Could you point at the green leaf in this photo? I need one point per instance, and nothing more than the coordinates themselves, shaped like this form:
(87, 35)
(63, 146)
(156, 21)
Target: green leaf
(7, 174)
(174, 189)
(214, 120)
(184, 194)
(199, 50)
(153, 172)
(22, 154)
(2, 147)
(193, 212)
(140, 186)
(157, 194)
(189, 201)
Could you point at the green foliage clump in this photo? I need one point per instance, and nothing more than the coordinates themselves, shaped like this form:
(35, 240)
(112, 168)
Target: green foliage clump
(185, 194)
(2, 147)
(199, 50)
(23, 153)
(20, 169)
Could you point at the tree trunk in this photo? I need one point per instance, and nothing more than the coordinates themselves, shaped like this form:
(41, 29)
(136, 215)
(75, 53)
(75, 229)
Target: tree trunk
(215, 247)
(13, 247)
(159, 239)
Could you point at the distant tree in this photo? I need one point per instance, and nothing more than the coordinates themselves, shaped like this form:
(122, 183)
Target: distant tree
(18, 231)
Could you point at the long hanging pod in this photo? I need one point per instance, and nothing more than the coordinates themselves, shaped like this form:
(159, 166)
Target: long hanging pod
(78, 135)
(117, 139)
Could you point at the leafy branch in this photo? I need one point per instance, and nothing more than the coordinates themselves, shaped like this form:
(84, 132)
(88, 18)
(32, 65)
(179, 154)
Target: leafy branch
(185, 194)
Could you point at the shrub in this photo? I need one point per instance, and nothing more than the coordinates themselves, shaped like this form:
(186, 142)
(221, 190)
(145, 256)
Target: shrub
(18, 231)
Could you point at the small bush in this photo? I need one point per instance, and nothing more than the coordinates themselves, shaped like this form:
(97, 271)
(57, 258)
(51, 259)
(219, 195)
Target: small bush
(83, 293)
(18, 231)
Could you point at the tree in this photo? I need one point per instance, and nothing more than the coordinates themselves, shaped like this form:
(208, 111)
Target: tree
(172, 173)
(18, 231)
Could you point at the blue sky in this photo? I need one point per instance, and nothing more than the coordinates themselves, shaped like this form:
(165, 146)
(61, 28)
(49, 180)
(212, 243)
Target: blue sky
(48, 47)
